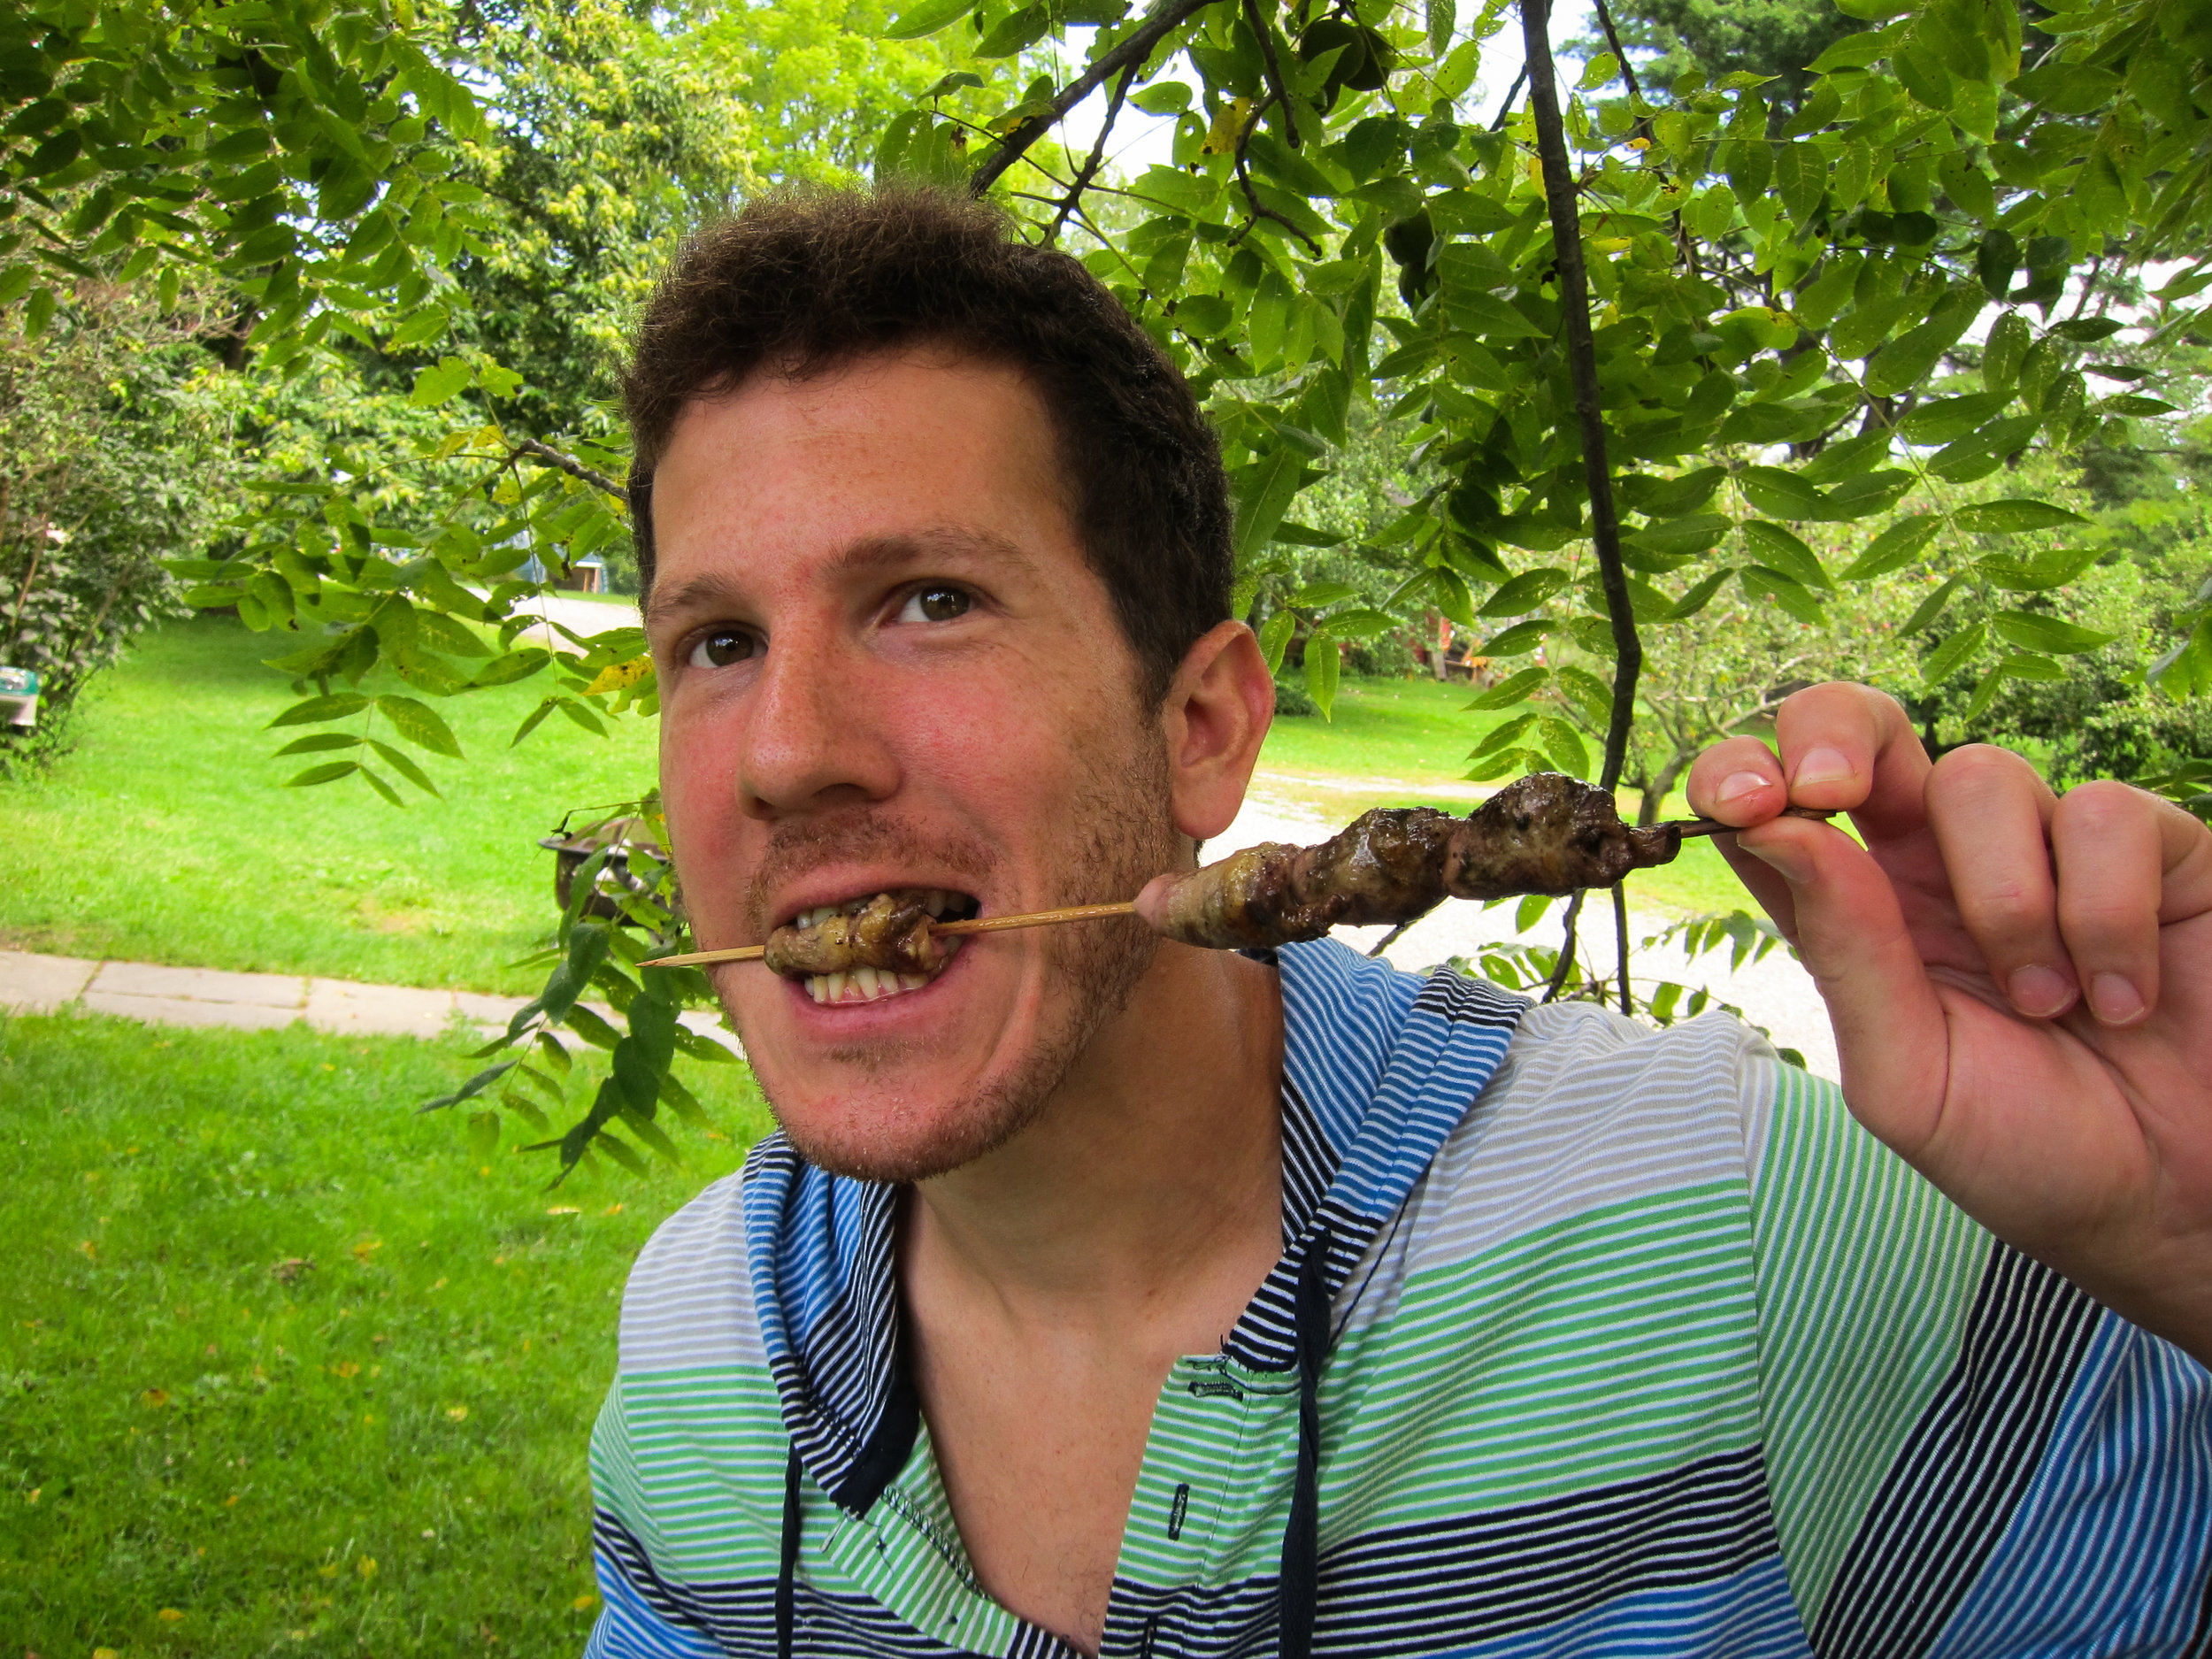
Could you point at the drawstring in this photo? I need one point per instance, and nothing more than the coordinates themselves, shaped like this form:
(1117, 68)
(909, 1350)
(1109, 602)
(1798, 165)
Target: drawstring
(787, 1576)
(1298, 1585)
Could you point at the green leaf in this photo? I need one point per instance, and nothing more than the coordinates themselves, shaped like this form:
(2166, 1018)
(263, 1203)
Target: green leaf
(1515, 689)
(1275, 637)
(1896, 547)
(1503, 735)
(1792, 595)
(319, 743)
(1784, 550)
(530, 721)
(1517, 641)
(1264, 493)
(1929, 608)
(1777, 490)
(2053, 635)
(440, 383)
(2014, 517)
(1322, 663)
(427, 323)
(1565, 746)
(1699, 597)
(329, 773)
(419, 725)
(474, 1087)
(1950, 418)
(2035, 573)
(929, 17)
(1319, 594)
(405, 768)
(1951, 656)
(337, 706)
(1524, 593)
(1164, 98)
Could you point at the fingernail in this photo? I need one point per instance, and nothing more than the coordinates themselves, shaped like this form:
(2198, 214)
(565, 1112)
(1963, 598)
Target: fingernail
(1822, 765)
(1787, 860)
(2041, 992)
(1740, 786)
(2117, 1001)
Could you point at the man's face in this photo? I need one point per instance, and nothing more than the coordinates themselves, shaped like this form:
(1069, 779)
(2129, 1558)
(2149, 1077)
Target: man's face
(884, 664)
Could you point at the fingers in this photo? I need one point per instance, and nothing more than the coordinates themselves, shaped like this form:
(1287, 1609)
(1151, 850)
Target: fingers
(1846, 747)
(1990, 813)
(1852, 936)
(2109, 845)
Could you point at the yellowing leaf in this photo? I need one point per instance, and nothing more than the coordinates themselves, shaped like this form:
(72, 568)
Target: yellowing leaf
(620, 676)
(459, 1414)
(170, 1616)
(154, 1397)
(1221, 137)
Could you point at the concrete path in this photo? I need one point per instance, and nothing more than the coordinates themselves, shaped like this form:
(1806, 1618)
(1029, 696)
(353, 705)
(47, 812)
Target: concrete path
(34, 984)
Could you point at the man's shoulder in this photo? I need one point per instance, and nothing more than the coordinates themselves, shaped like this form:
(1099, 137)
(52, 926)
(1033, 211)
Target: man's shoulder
(689, 1300)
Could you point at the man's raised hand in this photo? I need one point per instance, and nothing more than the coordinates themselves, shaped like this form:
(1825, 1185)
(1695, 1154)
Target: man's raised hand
(2021, 984)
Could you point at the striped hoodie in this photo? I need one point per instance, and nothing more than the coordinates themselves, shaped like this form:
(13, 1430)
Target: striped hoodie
(1585, 1339)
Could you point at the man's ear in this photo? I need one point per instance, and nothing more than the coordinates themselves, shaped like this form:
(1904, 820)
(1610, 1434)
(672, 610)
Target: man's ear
(1216, 716)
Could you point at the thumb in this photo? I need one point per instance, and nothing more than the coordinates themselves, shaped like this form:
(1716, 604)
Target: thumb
(1891, 1034)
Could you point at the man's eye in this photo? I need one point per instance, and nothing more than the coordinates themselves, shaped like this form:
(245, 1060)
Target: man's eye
(936, 604)
(721, 648)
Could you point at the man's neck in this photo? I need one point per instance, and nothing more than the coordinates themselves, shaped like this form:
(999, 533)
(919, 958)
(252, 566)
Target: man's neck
(1050, 1286)
(1154, 1167)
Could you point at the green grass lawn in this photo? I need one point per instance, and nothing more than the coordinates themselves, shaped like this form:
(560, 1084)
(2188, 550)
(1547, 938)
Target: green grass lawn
(383, 1454)
(167, 836)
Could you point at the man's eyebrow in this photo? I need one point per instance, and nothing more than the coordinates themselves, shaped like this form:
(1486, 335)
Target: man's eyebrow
(710, 590)
(717, 590)
(911, 547)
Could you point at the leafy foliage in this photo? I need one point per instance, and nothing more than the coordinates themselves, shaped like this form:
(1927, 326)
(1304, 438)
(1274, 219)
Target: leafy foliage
(1733, 346)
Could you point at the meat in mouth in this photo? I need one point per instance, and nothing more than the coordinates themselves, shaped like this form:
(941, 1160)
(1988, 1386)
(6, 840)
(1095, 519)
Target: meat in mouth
(871, 946)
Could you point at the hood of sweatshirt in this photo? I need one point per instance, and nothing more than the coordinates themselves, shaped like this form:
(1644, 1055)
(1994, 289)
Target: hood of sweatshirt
(1379, 1067)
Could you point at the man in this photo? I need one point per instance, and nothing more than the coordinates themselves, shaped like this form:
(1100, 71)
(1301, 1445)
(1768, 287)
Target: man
(1100, 1294)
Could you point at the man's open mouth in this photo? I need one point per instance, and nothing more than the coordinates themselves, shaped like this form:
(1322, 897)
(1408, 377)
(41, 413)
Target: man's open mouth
(872, 946)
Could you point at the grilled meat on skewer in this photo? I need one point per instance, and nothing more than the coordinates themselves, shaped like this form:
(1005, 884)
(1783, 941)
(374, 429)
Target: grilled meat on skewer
(889, 933)
(1542, 833)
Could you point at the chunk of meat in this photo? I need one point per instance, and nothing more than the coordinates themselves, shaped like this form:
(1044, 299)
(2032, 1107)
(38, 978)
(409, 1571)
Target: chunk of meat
(1546, 833)
(890, 932)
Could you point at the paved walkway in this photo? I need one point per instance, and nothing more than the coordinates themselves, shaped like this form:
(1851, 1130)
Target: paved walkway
(34, 984)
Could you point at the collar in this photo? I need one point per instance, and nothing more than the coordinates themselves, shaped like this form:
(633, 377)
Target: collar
(1379, 1067)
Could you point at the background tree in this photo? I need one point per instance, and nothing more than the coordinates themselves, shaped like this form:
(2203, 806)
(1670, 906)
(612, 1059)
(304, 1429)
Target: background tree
(1651, 348)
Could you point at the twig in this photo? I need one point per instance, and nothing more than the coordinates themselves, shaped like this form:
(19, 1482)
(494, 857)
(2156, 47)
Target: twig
(1261, 210)
(1505, 109)
(1620, 54)
(569, 465)
(1565, 965)
(1620, 940)
(1574, 303)
(1097, 158)
(1274, 70)
(1390, 938)
(1135, 51)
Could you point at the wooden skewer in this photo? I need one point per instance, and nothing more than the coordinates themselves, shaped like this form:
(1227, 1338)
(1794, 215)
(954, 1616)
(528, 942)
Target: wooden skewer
(1693, 827)
(973, 924)
(1690, 828)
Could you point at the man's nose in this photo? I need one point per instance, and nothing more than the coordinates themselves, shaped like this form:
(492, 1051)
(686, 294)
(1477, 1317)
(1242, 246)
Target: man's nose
(814, 733)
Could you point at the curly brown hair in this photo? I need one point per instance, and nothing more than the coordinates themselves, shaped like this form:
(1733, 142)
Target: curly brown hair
(800, 281)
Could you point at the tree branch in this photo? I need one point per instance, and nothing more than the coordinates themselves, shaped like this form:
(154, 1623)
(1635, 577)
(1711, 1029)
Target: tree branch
(1620, 940)
(1088, 171)
(1574, 303)
(1274, 69)
(1565, 965)
(1505, 109)
(1613, 40)
(1133, 51)
(569, 465)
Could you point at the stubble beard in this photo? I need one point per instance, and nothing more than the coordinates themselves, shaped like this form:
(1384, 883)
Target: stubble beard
(1120, 834)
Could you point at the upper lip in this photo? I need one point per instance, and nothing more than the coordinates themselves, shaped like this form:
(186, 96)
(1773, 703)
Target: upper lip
(841, 891)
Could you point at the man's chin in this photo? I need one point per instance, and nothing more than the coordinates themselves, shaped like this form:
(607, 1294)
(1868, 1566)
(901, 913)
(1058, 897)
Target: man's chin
(901, 1141)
